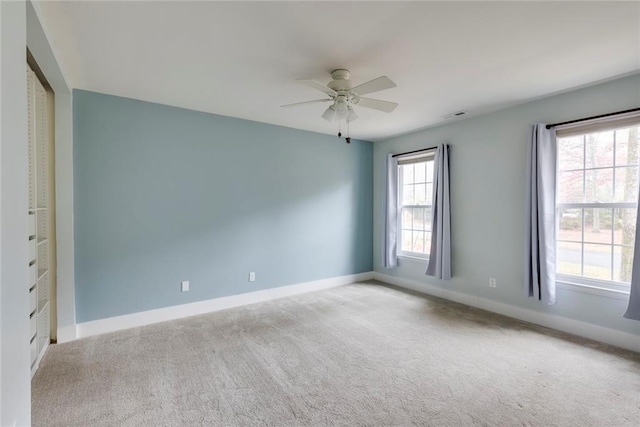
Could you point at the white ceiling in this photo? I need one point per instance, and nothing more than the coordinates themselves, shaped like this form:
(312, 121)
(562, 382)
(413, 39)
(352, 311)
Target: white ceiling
(241, 59)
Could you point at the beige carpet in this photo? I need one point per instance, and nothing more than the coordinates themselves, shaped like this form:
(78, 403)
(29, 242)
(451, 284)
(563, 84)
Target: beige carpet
(362, 354)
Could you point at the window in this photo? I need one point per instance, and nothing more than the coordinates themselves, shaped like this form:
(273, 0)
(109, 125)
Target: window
(415, 193)
(597, 195)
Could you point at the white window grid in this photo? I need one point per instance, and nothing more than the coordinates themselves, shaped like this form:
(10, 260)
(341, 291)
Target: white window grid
(415, 230)
(613, 207)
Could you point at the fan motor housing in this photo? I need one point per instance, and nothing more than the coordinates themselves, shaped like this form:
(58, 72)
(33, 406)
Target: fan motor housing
(340, 74)
(340, 80)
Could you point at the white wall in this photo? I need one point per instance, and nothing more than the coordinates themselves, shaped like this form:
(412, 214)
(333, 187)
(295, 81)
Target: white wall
(66, 299)
(1, 204)
(14, 304)
(44, 54)
(20, 27)
(488, 156)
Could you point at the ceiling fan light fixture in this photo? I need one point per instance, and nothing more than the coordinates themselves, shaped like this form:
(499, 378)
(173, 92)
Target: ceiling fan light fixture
(329, 114)
(352, 115)
(342, 110)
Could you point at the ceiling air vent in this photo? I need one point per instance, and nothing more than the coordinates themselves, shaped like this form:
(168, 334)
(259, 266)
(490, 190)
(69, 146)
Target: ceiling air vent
(455, 115)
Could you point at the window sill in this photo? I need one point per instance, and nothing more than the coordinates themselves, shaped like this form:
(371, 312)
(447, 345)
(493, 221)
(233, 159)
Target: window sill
(414, 258)
(593, 290)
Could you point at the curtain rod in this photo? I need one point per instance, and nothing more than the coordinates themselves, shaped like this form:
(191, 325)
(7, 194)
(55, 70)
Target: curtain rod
(415, 151)
(592, 118)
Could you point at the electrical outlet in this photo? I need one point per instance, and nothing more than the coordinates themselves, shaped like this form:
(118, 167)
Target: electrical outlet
(185, 285)
(492, 282)
(252, 276)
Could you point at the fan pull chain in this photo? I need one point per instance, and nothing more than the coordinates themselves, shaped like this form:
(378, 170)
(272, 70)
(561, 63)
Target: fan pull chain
(348, 138)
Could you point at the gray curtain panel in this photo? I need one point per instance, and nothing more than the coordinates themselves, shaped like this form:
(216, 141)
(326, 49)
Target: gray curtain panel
(540, 239)
(633, 311)
(391, 214)
(440, 256)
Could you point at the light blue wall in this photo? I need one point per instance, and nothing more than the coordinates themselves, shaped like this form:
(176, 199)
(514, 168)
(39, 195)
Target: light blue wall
(488, 156)
(163, 194)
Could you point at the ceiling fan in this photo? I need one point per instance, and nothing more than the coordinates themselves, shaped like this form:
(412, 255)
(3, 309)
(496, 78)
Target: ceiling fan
(344, 97)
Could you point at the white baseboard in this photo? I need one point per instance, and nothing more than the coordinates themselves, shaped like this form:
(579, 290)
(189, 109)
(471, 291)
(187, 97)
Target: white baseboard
(127, 321)
(66, 334)
(575, 327)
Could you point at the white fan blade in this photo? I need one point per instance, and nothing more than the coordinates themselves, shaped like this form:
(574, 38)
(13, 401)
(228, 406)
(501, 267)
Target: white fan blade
(305, 102)
(317, 85)
(374, 85)
(377, 104)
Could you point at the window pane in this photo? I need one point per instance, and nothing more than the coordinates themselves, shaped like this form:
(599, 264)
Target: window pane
(407, 216)
(420, 172)
(570, 227)
(407, 195)
(430, 171)
(599, 185)
(418, 219)
(624, 226)
(420, 194)
(570, 187)
(622, 147)
(427, 219)
(597, 225)
(627, 184)
(418, 241)
(597, 261)
(622, 263)
(571, 153)
(599, 149)
(569, 258)
(429, 194)
(406, 241)
(407, 174)
(427, 242)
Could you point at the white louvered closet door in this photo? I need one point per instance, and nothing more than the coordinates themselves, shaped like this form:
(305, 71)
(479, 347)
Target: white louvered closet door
(38, 238)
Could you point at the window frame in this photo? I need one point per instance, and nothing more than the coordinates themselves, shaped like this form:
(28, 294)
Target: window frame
(592, 285)
(412, 159)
